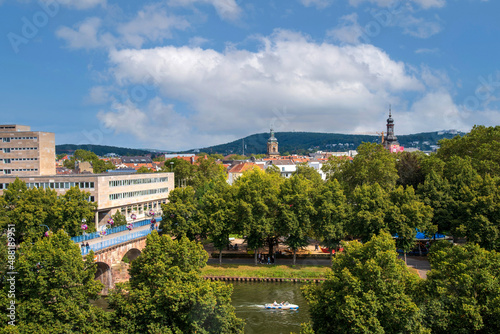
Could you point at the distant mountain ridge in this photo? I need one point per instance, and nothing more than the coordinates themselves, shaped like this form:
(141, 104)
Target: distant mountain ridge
(303, 142)
(100, 150)
(291, 142)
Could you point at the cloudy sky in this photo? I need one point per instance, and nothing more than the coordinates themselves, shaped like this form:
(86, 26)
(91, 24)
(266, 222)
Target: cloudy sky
(181, 74)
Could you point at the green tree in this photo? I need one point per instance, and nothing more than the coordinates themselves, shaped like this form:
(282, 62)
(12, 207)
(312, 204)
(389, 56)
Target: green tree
(476, 203)
(166, 293)
(29, 210)
(273, 169)
(72, 207)
(180, 214)
(409, 168)
(295, 212)
(257, 208)
(119, 219)
(407, 214)
(481, 144)
(206, 171)
(182, 169)
(435, 192)
(144, 170)
(373, 164)
(369, 203)
(309, 173)
(98, 165)
(368, 291)
(53, 288)
(462, 291)
(216, 213)
(332, 213)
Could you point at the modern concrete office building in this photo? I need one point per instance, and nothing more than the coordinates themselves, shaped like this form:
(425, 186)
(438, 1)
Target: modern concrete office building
(25, 152)
(31, 158)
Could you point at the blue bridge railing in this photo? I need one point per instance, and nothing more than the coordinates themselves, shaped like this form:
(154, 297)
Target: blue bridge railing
(115, 241)
(93, 235)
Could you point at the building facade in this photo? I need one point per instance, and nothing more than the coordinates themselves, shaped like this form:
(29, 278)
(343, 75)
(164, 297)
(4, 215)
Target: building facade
(30, 156)
(135, 194)
(24, 152)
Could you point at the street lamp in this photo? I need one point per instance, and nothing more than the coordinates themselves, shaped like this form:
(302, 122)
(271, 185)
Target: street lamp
(171, 166)
(48, 230)
(84, 228)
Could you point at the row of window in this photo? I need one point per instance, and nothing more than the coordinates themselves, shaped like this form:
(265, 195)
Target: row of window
(4, 185)
(61, 185)
(9, 171)
(8, 161)
(8, 149)
(8, 139)
(120, 183)
(137, 193)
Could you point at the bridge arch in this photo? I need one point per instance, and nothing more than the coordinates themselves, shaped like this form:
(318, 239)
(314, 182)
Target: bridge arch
(132, 254)
(103, 274)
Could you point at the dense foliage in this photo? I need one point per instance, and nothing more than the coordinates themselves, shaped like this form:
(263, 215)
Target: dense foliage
(368, 291)
(53, 286)
(98, 165)
(167, 294)
(31, 209)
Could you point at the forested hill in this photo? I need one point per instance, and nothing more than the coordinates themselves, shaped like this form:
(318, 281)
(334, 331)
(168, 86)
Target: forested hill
(100, 149)
(302, 142)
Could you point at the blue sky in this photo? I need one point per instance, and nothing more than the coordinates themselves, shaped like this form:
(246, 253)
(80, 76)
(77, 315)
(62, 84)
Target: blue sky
(181, 74)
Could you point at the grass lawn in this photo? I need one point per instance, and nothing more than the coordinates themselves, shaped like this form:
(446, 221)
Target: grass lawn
(235, 270)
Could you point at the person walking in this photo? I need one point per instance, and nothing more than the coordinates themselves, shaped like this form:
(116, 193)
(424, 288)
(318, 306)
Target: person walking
(88, 247)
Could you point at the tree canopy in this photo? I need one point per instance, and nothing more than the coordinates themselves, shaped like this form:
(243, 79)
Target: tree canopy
(166, 293)
(53, 289)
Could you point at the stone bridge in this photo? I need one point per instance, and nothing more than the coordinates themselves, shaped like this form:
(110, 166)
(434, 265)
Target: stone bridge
(110, 267)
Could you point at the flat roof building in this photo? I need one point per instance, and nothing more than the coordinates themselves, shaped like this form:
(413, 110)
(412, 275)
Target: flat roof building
(30, 156)
(25, 152)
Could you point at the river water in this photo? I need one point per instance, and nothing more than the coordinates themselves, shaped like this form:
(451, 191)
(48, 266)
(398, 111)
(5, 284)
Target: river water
(249, 298)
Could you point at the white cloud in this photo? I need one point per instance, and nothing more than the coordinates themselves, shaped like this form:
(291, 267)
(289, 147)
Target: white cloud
(226, 9)
(425, 4)
(348, 31)
(151, 24)
(73, 4)
(322, 87)
(419, 27)
(86, 35)
(156, 125)
(434, 111)
(320, 4)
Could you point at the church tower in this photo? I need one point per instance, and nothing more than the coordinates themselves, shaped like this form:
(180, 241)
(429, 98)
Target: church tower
(391, 140)
(272, 146)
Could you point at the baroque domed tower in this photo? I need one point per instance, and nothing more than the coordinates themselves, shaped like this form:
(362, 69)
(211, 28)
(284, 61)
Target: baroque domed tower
(272, 146)
(390, 139)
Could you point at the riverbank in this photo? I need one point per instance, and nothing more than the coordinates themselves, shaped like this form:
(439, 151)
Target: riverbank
(266, 271)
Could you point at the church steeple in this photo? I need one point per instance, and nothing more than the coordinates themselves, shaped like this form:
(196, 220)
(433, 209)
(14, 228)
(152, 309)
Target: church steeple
(390, 138)
(272, 146)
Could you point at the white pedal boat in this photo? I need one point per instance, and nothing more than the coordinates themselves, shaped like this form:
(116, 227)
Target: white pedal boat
(285, 306)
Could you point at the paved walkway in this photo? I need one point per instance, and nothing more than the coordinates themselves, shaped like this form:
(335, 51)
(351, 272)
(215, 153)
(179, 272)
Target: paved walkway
(116, 235)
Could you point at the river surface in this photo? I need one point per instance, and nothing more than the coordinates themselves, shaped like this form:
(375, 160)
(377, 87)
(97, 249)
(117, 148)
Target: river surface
(249, 298)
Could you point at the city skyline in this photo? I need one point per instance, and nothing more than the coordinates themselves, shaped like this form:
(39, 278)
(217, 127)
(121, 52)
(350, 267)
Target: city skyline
(182, 74)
